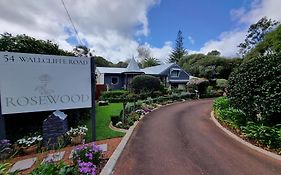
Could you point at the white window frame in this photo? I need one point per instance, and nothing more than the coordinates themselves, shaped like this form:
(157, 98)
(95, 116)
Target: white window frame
(179, 71)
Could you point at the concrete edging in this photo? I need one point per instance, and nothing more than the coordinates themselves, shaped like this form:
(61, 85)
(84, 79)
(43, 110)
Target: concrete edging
(235, 137)
(108, 168)
(117, 129)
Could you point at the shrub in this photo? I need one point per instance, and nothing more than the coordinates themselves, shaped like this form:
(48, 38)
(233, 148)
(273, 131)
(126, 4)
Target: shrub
(198, 84)
(255, 88)
(221, 103)
(270, 136)
(53, 168)
(222, 83)
(114, 119)
(145, 83)
(114, 94)
(235, 117)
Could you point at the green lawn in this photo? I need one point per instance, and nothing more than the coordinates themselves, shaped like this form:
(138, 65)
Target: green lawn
(103, 114)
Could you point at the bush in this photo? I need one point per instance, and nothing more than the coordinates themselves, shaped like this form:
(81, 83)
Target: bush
(221, 103)
(270, 136)
(53, 168)
(113, 94)
(114, 119)
(198, 84)
(222, 83)
(235, 117)
(145, 83)
(255, 88)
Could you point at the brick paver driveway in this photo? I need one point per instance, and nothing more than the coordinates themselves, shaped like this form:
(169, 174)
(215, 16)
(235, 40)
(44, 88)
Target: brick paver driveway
(181, 139)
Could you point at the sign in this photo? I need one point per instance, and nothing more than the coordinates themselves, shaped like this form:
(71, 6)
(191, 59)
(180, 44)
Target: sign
(34, 82)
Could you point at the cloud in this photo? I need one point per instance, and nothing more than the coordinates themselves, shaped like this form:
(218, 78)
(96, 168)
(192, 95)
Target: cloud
(227, 42)
(191, 40)
(108, 27)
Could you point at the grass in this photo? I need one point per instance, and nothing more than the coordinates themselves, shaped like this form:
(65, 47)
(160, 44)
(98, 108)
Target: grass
(103, 114)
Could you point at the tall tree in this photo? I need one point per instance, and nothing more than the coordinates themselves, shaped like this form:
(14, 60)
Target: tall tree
(143, 52)
(179, 51)
(256, 33)
(102, 62)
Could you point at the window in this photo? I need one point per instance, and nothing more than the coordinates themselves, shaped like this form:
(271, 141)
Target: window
(114, 80)
(175, 73)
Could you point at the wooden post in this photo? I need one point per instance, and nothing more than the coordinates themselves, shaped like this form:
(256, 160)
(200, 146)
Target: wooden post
(2, 124)
(93, 86)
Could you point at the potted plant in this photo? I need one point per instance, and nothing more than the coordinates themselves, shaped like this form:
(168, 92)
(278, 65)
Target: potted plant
(29, 144)
(77, 134)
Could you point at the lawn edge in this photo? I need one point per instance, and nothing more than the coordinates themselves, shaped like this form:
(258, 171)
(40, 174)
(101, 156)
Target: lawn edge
(235, 137)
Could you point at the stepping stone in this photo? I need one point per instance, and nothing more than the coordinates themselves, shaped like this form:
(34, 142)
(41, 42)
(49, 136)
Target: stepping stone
(23, 164)
(103, 147)
(54, 157)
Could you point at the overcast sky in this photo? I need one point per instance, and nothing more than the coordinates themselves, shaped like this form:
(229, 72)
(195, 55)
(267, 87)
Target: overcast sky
(115, 28)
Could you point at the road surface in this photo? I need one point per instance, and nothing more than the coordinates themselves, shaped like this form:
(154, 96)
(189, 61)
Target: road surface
(181, 139)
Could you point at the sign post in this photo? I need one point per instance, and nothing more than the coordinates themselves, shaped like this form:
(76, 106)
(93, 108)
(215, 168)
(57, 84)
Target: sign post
(2, 124)
(93, 110)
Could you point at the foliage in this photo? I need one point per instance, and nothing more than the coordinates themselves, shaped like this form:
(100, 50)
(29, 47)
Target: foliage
(221, 103)
(179, 51)
(214, 53)
(149, 62)
(5, 149)
(102, 62)
(255, 88)
(221, 83)
(4, 168)
(234, 117)
(199, 85)
(270, 44)
(27, 44)
(80, 130)
(113, 94)
(266, 135)
(145, 83)
(54, 169)
(28, 141)
(256, 33)
(86, 158)
(82, 51)
(209, 66)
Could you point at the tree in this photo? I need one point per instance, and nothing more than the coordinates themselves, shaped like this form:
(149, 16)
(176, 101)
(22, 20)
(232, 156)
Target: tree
(149, 62)
(179, 51)
(102, 62)
(143, 52)
(256, 33)
(27, 44)
(270, 44)
(209, 66)
(81, 50)
(214, 53)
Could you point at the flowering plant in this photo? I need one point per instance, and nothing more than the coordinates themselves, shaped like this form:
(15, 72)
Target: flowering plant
(86, 158)
(80, 130)
(5, 149)
(29, 141)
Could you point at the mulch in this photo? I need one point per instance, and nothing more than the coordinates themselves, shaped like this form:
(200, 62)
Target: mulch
(111, 146)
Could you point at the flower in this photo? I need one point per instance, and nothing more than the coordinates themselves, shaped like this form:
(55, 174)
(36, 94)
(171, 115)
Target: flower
(29, 141)
(80, 130)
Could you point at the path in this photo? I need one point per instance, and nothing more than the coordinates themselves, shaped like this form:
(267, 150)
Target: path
(181, 139)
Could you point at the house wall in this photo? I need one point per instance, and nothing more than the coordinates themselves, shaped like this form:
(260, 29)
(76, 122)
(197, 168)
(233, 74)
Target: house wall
(100, 78)
(118, 86)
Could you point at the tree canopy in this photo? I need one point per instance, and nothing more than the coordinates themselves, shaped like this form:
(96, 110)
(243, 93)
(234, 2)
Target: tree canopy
(27, 44)
(209, 66)
(256, 34)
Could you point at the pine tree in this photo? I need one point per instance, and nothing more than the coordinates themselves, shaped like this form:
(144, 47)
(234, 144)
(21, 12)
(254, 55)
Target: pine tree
(179, 51)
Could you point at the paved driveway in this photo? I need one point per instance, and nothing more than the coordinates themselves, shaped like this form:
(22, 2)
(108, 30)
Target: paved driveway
(181, 139)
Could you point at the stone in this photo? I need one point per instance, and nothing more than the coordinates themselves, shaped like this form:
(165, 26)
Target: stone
(23, 164)
(103, 147)
(54, 157)
(71, 154)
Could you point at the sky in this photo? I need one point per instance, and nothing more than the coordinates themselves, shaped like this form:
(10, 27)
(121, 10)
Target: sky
(114, 29)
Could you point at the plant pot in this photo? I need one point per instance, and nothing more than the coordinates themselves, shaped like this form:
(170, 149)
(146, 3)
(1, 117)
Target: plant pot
(76, 140)
(29, 149)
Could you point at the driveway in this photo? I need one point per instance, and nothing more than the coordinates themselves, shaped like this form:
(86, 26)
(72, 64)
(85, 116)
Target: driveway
(181, 139)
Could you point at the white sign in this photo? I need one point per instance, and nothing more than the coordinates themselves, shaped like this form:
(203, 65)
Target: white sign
(33, 82)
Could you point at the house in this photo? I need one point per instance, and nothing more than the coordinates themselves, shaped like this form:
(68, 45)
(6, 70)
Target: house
(172, 75)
